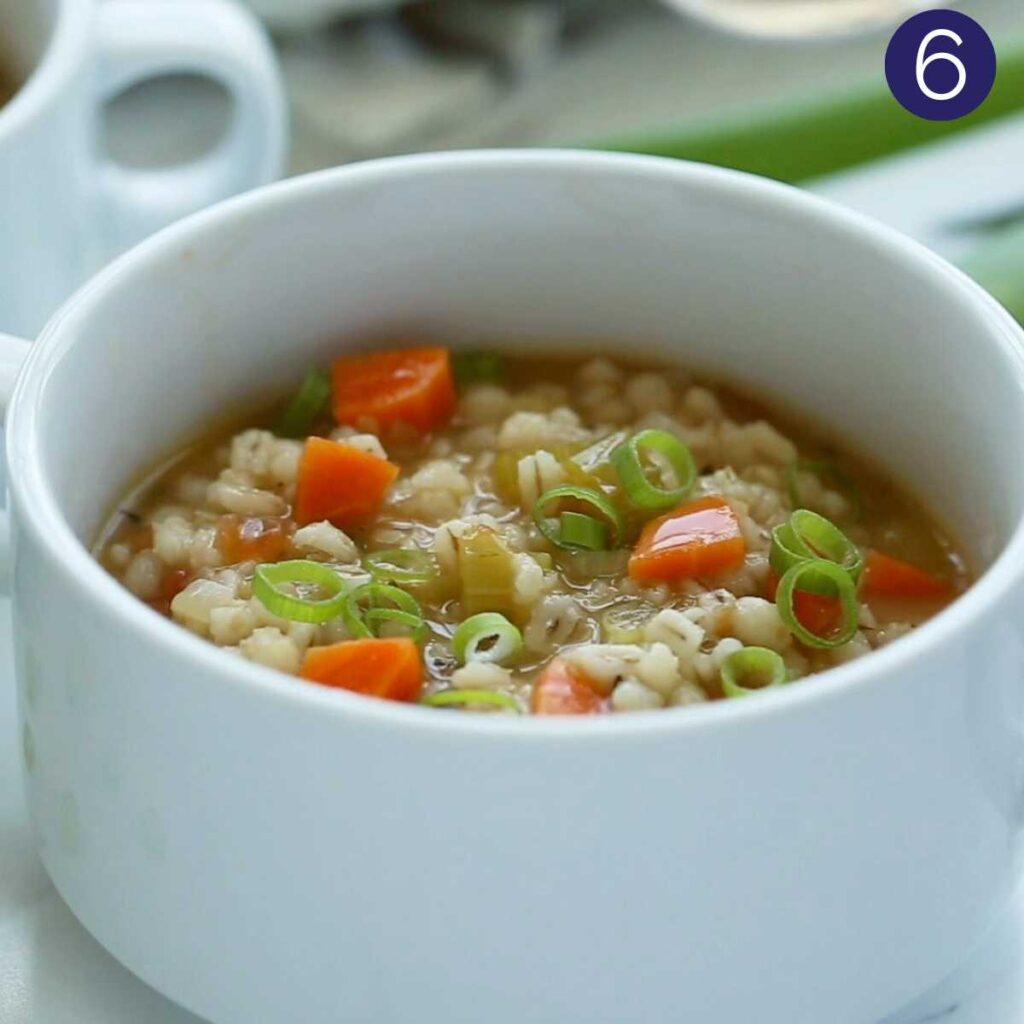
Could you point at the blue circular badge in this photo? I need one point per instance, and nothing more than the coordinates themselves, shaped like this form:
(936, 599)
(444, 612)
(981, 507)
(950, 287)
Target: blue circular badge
(940, 65)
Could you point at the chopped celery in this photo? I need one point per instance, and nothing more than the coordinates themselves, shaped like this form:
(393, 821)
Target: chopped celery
(487, 574)
(506, 468)
(595, 461)
(584, 566)
(506, 476)
(624, 623)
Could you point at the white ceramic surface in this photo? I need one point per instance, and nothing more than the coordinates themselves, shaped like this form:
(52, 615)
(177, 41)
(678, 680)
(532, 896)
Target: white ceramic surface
(265, 850)
(53, 972)
(789, 19)
(64, 207)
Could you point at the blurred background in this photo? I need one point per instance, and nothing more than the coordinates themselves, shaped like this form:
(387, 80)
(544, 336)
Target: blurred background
(790, 88)
(375, 77)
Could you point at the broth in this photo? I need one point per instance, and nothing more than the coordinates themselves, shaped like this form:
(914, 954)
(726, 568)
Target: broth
(8, 86)
(643, 628)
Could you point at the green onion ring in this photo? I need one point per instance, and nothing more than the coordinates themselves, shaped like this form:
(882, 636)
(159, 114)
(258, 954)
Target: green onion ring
(752, 661)
(830, 470)
(380, 597)
(402, 565)
(596, 502)
(268, 579)
(819, 576)
(809, 535)
(468, 640)
(308, 402)
(576, 530)
(629, 463)
(786, 552)
(452, 698)
(414, 623)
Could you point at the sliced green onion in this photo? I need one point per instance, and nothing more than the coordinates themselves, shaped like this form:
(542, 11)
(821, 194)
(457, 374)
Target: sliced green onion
(841, 480)
(402, 565)
(809, 535)
(824, 539)
(819, 576)
(635, 475)
(372, 604)
(576, 530)
(309, 401)
(377, 619)
(487, 637)
(592, 501)
(477, 368)
(454, 698)
(752, 670)
(269, 579)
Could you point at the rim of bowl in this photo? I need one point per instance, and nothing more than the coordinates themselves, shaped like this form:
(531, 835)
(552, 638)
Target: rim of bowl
(47, 80)
(30, 488)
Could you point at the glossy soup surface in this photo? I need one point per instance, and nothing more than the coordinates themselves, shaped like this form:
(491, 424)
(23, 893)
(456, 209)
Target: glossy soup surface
(7, 85)
(640, 589)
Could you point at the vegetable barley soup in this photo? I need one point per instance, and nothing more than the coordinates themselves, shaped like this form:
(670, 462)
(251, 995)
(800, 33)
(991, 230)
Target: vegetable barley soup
(492, 534)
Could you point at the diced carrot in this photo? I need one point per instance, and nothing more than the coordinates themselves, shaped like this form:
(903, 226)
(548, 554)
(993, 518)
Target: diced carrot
(390, 668)
(340, 483)
(251, 538)
(558, 690)
(136, 535)
(894, 578)
(174, 582)
(819, 613)
(700, 539)
(413, 386)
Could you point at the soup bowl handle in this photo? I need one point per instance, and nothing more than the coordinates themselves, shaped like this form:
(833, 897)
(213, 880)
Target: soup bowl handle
(12, 355)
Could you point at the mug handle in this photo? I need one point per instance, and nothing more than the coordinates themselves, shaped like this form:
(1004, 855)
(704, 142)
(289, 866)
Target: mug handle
(142, 39)
(12, 355)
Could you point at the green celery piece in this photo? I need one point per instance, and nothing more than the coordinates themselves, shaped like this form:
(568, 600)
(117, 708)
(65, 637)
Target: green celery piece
(797, 142)
(997, 264)
(488, 574)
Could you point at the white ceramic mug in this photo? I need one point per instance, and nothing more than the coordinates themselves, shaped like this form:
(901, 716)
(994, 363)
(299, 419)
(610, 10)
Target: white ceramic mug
(65, 206)
(261, 849)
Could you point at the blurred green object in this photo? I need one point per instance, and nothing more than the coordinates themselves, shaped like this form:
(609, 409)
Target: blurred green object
(794, 143)
(998, 265)
(799, 142)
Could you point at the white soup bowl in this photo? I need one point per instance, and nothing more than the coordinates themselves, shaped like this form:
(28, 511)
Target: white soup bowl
(265, 850)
